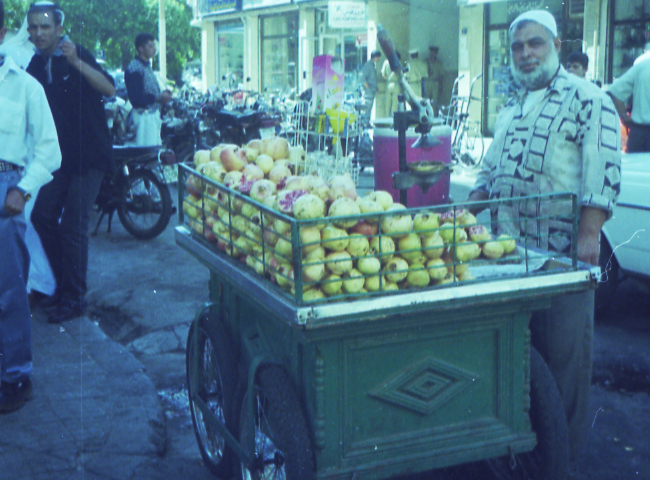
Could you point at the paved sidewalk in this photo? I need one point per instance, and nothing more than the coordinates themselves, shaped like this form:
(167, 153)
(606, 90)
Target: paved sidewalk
(94, 415)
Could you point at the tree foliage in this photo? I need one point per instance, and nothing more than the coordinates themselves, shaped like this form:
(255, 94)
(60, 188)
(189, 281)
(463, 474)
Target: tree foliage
(112, 25)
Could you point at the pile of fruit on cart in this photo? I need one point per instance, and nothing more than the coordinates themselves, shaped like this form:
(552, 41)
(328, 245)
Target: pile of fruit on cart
(316, 238)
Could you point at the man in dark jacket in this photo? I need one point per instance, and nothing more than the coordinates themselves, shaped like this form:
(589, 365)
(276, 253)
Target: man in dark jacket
(368, 76)
(74, 85)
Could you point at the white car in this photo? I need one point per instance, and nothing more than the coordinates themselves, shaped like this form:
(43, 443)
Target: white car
(625, 241)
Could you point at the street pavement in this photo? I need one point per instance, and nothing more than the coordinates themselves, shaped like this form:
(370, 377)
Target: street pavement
(109, 388)
(95, 413)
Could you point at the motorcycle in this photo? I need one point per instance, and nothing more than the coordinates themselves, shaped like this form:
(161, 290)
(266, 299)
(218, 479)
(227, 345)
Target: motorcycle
(135, 188)
(240, 120)
(183, 130)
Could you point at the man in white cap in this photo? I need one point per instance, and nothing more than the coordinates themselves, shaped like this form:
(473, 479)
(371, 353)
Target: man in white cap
(417, 71)
(558, 133)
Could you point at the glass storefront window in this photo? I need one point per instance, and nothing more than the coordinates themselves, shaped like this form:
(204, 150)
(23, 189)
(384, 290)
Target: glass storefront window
(279, 51)
(628, 10)
(498, 78)
(229, 50)
(630, 33)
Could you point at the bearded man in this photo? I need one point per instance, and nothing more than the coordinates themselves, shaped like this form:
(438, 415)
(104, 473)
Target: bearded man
(558, 133)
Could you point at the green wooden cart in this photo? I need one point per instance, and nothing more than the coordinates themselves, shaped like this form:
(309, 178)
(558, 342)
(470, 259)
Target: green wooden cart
(378, 386)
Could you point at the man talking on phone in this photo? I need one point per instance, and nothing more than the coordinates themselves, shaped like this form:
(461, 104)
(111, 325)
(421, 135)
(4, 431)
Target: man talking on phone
(74, 85)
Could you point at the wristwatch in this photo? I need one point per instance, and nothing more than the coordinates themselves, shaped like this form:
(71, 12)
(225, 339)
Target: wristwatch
(26, 195)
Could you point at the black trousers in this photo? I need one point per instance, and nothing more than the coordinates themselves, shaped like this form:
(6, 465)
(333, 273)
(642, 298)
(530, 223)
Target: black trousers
(638, 139)
(61, 216)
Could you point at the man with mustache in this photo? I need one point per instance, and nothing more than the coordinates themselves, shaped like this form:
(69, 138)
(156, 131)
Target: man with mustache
(558, 133)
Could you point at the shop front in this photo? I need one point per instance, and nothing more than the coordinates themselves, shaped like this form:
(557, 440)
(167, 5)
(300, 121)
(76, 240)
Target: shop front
(273, 42)
(269, 45)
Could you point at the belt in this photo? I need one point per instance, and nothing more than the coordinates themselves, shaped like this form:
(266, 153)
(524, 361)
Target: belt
(7, 167)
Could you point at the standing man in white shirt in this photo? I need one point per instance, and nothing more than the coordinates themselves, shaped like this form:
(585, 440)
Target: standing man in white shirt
(144, 92)
(634, 83)
(30, 153)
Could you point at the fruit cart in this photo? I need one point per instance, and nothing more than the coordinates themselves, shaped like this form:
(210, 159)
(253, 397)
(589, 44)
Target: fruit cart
(377, 383)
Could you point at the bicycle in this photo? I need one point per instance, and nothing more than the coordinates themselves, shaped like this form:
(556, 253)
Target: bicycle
(467, 146)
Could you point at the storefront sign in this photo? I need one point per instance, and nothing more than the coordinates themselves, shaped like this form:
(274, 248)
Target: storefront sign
(346, 15)
(460, 3)
(250, 4)
(207, 7)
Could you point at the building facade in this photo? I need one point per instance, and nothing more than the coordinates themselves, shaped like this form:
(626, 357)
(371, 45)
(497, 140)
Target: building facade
(268, 45)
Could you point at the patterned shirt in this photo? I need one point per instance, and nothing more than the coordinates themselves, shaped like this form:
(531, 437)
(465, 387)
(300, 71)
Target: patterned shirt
(568, 142)
(141, 85)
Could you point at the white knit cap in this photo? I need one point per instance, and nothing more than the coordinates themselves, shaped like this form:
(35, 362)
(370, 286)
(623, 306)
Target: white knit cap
(538, 16)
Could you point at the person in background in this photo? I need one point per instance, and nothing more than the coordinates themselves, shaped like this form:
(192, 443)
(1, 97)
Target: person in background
(435, 72)
(417, 72)
(75, 86)
(144, 92)
(41, 280)
(645, 55)
(28, 156)
(381, 108)
(577, 63)
(557, 133)
(635, 84)
(393, 89)
(368, 75)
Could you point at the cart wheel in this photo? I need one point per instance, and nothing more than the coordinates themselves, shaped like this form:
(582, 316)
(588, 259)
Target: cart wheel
(549, 460)
(282, 444)
(609, 282)
(216, 387)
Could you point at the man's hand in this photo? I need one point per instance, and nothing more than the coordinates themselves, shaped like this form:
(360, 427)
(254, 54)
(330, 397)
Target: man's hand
(165, 97)
(69, 50)
(591, 222)
(477, 196)
(14, 202)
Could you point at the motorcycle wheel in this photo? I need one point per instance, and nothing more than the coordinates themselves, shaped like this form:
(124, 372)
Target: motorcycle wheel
(146, 205)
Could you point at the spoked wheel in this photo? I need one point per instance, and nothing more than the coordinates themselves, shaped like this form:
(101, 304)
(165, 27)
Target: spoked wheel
(549, 460)
(471, 147)
(146, 205)
(282, 448)
(215, 385)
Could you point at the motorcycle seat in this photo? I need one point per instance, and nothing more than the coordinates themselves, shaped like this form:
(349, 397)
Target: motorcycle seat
(244, 117)
(131, 152)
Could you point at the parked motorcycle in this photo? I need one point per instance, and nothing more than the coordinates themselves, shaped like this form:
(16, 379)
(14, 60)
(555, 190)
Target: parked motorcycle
(240, 123)
(137, 192)
(184, 131)
(135, 188)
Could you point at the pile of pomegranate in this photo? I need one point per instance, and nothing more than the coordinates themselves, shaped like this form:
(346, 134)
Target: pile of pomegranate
(345, 244)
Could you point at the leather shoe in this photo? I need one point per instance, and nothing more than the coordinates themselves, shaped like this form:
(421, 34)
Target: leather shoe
(14, 395)
(65, 311)
(45, 302)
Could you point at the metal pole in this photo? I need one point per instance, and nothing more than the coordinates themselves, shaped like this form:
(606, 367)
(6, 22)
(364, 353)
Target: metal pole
(162, 39)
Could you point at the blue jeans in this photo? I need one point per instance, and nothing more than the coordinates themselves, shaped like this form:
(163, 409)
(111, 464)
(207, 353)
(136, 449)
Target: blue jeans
(60, 217)
(15, 328)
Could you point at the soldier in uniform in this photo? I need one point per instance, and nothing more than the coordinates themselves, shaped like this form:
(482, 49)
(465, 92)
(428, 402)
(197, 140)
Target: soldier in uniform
(417, 72)
(435, 70)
